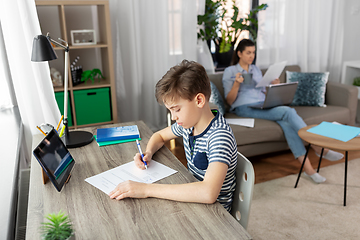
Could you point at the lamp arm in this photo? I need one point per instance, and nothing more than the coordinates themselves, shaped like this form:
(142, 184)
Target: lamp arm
(66, 77)
(65, 47)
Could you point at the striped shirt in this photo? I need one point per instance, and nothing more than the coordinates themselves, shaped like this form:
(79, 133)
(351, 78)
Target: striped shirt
(215, 144)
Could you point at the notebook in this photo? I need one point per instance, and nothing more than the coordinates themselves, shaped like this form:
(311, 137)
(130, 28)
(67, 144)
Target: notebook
(278, 95)
(55, 159)
(117, 133)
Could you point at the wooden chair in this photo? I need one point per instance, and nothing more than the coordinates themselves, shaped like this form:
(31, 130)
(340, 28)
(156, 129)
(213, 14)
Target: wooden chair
(245, 179)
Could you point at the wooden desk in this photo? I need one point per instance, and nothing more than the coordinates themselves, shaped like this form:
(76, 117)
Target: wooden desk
(96, 216)
(330, 143)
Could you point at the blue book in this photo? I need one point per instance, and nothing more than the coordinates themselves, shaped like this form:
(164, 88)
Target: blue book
(117, 133)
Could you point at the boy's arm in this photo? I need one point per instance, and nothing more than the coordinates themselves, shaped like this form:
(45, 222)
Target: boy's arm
(156, 141)
(205, 191)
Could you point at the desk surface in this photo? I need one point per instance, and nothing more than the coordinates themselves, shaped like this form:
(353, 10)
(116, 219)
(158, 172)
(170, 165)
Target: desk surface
(96, 216)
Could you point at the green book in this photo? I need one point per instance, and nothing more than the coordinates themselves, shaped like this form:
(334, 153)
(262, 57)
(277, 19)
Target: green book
(115, 141)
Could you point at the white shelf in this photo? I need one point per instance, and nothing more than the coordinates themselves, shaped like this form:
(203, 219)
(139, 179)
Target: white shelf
(351, 70)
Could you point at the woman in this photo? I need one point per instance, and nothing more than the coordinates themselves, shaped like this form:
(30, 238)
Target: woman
(239, 95)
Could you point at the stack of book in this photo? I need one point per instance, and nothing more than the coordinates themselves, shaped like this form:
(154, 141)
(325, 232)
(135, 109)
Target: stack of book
(114, 135)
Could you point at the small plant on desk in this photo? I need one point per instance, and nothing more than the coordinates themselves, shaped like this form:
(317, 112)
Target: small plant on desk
(59, 227)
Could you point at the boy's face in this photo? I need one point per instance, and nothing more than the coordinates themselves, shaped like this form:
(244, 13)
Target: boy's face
(184, 112)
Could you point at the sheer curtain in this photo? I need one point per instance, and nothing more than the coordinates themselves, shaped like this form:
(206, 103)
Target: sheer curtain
(203, 53)
(31, 80)
(303, 32)
(149, 37)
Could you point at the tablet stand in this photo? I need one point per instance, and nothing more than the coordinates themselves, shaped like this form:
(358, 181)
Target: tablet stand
(45, 177)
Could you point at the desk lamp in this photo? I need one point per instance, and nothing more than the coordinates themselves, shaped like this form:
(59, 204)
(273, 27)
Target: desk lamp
(43, 51)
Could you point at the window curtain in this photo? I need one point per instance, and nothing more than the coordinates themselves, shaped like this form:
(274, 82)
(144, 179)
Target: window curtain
(149, 37)
(31, 80)
(203, 52)
(303, 32)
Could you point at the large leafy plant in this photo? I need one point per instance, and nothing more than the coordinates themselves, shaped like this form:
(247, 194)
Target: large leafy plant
(225, 28)
(58, 227)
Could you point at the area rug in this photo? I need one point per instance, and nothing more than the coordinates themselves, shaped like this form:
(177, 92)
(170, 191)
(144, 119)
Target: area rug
(310, 211)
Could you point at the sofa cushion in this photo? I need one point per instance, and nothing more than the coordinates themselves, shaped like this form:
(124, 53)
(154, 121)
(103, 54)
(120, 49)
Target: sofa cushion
(315, 115)
(263, 131)
(311, 88)
(269, 131)
(216, 98)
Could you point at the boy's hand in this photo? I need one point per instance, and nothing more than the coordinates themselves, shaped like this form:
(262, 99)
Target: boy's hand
(129, 189)
(139, 163)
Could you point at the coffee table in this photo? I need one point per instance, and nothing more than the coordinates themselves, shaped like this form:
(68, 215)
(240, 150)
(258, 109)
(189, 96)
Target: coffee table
(330, 143)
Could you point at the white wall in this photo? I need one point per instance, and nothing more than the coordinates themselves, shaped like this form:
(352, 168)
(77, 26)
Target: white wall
(351, 47)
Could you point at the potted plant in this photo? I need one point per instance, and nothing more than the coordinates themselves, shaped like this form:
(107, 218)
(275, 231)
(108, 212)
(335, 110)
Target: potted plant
(59, 227)
(224, 29)
(357, 84)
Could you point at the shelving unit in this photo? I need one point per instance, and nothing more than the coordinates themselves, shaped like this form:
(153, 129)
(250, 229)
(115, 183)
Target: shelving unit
(351, 69)
(60, 17)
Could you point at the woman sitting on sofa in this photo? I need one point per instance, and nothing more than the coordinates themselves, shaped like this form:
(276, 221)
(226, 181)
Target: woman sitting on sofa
(240, 95)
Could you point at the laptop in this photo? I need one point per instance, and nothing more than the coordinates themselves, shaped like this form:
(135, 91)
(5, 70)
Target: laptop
(278, 95)
(55, 159)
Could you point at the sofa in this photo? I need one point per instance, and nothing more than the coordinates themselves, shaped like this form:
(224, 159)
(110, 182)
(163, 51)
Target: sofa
(267, 136)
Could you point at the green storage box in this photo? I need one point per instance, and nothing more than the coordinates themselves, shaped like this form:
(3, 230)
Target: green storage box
(92, 106)
(59, 96)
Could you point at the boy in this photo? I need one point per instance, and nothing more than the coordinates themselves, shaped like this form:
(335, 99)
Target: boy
(209, 143)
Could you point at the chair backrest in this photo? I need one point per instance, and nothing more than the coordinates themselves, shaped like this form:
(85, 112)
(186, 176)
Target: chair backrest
(245, 179)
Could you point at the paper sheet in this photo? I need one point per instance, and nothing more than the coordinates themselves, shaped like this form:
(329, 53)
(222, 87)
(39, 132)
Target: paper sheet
(108, 180)
(271, 74)
(337, 131)
(341, 124)
(247, 122)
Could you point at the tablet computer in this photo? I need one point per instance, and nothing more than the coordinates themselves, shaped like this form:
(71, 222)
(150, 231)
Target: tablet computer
(55, 159)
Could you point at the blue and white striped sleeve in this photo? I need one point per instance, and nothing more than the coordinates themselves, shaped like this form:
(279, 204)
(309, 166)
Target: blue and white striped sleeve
(221, 146)
(177, 130)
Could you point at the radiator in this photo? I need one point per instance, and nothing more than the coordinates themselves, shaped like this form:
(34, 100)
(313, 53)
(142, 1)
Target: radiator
(23, 194)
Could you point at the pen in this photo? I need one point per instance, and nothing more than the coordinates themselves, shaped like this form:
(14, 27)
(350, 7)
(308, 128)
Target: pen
(41, 130)
(142, 155)
(62, 131)
(57, 129)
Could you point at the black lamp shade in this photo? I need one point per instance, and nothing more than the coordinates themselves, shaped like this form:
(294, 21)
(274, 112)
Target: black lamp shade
(42, 49)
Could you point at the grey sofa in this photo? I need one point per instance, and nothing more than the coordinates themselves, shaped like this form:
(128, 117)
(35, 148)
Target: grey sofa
(267, 136)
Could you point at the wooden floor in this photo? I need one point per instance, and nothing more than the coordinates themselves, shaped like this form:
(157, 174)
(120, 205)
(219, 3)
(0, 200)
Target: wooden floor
(270, 166)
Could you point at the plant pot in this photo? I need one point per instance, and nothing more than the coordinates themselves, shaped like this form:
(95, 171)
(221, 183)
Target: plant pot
(223, 60)
(358, 91)
(72, 237)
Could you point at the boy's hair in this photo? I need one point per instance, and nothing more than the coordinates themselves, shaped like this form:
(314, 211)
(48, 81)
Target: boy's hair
(184, 80)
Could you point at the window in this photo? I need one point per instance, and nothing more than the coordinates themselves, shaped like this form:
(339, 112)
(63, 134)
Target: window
(175, 27)
(5, 97)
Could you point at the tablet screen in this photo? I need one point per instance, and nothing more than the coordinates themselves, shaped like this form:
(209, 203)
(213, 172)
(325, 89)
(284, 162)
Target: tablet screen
(55, 159)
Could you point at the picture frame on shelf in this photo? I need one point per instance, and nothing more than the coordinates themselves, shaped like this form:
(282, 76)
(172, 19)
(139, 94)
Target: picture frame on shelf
(83, 37)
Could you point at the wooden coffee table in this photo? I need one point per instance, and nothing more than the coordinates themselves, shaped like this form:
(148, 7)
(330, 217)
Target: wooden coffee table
(330, 143)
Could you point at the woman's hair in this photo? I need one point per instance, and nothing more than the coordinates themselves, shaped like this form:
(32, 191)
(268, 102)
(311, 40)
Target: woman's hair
(183, 81)
(241, 47)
